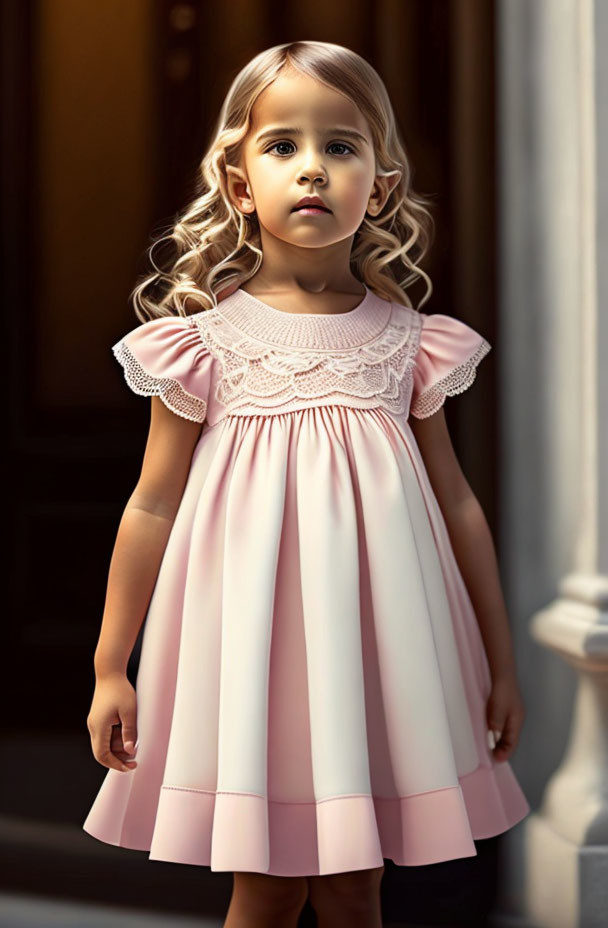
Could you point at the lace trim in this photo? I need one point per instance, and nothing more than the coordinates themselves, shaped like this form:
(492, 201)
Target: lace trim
(267, 375)
(171, 392)
(458, 380)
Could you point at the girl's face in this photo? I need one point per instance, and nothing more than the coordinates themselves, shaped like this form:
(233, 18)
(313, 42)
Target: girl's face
(306, 139)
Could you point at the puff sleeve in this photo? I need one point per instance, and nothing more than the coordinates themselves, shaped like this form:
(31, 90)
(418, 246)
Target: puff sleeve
(166, 357)
(446, 362)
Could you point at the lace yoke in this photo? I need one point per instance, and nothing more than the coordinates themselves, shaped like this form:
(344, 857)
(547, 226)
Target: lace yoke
(271, 359)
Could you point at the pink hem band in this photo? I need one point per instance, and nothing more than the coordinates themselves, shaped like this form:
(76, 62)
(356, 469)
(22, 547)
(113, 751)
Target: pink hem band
(245, 832)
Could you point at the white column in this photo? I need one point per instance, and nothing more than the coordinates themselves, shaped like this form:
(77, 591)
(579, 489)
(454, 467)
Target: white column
(553, 148)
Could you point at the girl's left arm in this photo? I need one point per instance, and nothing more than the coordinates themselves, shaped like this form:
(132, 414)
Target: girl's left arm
(474, 551)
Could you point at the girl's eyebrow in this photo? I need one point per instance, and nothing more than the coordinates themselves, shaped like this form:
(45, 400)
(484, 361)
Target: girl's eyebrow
(278, 130)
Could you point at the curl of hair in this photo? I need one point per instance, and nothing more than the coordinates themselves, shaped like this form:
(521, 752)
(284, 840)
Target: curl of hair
(219, 248)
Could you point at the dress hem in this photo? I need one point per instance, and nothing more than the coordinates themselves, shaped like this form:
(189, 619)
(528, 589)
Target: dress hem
(236, 831)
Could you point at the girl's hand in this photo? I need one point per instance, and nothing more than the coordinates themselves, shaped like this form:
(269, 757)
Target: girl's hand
(505, 713)
(112, 722)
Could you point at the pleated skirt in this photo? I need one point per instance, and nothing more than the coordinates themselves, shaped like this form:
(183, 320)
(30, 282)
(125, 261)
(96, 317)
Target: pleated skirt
(312, 685)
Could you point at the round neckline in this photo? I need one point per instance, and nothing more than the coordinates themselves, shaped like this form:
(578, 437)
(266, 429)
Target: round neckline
(315, 331)
(285, 312)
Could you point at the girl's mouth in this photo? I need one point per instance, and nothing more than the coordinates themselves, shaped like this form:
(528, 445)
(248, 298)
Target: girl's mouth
(310, 210)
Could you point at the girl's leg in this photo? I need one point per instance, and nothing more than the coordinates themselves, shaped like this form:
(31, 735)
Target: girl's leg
(347, 900)
(260, 900)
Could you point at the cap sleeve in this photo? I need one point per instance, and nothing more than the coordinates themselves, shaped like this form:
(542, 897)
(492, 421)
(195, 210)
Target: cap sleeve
(446, 362)
(166, 357)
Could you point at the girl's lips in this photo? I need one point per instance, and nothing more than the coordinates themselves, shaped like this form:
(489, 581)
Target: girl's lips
(312, 210)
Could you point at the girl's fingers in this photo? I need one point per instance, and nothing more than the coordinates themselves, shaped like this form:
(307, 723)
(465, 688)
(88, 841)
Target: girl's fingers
(108, 751)
(117, 748)
(128, 719)
(507, 741)
(108, 759)
(112, 723)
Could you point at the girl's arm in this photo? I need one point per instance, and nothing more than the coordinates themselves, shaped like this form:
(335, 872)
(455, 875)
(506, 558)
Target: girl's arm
(474, 551)
(142, 535)
(470, 537)
(140, 543)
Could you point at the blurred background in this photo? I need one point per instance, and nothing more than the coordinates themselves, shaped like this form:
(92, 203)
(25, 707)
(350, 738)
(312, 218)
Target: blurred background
(106, 112)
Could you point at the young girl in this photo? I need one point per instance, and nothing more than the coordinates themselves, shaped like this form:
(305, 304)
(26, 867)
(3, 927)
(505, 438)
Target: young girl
(326, 645)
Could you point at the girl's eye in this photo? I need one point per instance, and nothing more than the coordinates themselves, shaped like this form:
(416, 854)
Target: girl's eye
(332, 145)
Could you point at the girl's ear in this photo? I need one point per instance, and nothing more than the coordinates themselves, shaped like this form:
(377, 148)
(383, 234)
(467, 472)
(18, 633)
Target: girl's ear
(238, 189)
(384, 184)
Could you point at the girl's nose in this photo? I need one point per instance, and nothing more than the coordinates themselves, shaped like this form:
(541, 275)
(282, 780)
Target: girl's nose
(315, 175)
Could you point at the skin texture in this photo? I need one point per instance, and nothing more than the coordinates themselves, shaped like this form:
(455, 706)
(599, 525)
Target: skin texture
(305, 268)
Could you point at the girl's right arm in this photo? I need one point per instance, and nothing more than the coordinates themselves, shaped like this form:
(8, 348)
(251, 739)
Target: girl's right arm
(141, 540)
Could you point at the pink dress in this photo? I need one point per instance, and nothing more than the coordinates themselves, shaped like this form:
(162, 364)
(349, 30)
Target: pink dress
(312, 682)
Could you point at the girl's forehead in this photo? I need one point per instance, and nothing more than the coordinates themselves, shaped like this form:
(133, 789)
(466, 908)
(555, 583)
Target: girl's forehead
(299, 100)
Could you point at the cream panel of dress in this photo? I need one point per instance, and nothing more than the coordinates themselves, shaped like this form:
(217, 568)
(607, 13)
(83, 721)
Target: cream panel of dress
(312, 683)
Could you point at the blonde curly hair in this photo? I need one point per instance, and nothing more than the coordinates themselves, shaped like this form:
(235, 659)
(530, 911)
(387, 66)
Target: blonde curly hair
(218, 248)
